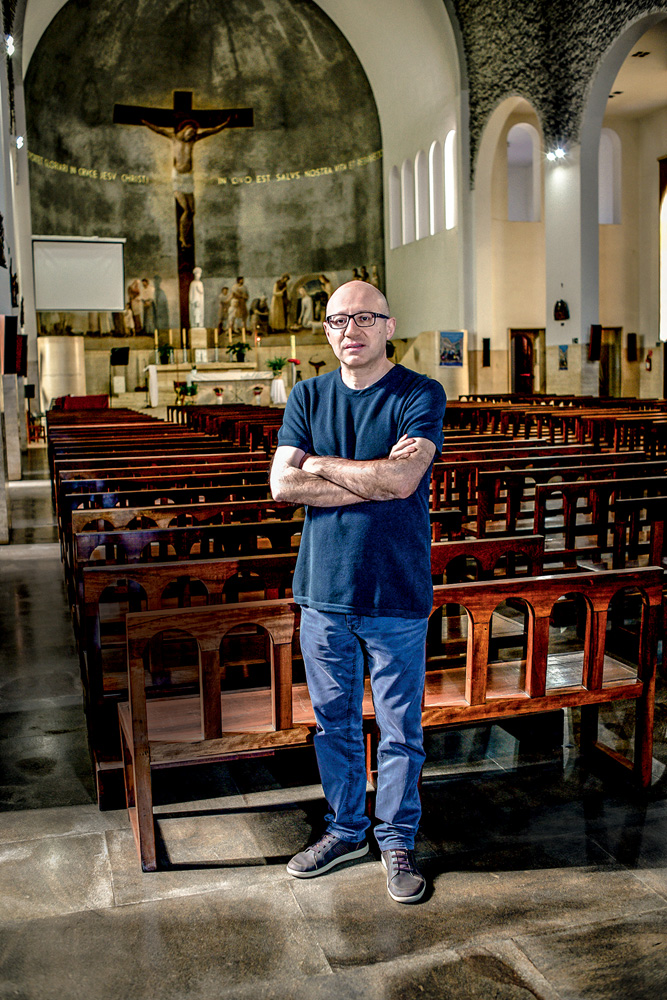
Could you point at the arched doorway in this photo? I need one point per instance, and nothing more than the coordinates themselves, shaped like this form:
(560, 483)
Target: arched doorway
(622, 140)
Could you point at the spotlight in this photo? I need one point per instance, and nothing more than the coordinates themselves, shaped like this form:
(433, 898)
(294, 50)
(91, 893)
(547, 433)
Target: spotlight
(9, 44)
(559, 153)
(19, 142)
(551, 156)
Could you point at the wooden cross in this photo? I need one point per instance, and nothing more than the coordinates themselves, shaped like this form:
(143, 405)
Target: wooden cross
(183, 125)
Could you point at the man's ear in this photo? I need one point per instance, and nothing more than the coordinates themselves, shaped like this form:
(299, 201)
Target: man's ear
(391, 327)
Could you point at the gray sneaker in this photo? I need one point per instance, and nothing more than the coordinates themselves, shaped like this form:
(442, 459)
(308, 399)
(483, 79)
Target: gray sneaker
(327, 852)
(405, 883)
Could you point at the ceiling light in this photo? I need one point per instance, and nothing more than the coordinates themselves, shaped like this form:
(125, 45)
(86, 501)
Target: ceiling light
(19, 142)
(9, 44)
(556, 154)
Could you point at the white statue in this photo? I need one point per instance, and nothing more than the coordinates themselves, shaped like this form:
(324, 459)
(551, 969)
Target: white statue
(306, 317)
(196, 300)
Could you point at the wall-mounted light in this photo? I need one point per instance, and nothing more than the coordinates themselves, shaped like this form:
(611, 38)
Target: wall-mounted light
(19, 141)
(556, 154)
(9, 45)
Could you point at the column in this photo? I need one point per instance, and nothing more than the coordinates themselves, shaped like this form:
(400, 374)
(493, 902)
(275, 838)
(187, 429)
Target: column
(11, 426)
(572, 252)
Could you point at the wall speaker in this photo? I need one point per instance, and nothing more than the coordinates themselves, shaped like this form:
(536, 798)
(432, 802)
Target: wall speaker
(595, 343)
(632, 347)
(29, 391)
(486, 352)
(120, 356)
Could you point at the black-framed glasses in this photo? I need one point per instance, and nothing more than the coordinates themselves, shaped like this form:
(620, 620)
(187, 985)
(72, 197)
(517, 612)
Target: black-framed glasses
(339, 321)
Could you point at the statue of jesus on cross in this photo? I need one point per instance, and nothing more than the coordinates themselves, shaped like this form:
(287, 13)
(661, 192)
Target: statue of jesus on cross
(184, 125)
(183, 181)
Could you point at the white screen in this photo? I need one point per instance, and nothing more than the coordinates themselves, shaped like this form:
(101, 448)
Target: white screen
(76, 274)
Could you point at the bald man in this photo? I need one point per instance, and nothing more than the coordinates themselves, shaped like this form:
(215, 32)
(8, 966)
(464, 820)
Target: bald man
(356, 447)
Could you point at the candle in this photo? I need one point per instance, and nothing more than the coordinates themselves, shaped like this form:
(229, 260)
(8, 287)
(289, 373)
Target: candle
(292, 345)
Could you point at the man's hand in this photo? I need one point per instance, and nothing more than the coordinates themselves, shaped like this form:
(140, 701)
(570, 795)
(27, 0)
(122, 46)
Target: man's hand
(404, 447)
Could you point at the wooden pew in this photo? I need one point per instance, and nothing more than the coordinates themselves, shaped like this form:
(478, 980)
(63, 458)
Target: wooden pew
(628, 522)
(151, 546)
(466, 478)
(629, 518)
(144, 584)
(109, 591)
(538, 681)
(214, 725)
(597, 496)
(510, 487)
(211, 498)
(126, 532)
(206, 727)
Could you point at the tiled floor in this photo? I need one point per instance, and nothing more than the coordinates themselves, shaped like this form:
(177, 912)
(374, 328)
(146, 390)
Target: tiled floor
(548, 881)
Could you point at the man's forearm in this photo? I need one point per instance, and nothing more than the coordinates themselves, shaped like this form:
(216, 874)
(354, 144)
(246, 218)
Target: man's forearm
(298, 486)
(379, 479)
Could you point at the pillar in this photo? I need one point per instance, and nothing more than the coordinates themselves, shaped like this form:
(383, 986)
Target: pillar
(10, 395)
(571, 258)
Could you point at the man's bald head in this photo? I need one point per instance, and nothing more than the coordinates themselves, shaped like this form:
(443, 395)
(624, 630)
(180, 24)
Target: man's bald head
(363, 296)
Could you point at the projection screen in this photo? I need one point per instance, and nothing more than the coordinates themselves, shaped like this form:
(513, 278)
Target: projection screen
(78, 274)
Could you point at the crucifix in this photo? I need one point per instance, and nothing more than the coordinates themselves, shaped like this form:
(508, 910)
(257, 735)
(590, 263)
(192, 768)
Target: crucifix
(183, 126)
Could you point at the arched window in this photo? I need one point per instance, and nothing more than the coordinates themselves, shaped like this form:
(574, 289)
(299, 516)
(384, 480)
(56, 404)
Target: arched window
(421, 194)
(395, 235)
(523, 174)
(450, 181)
(436, 178)
(609, 178)
(408, 201)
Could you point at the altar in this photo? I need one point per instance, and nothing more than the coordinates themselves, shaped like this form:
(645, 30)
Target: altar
(237, 381)
(237, 386)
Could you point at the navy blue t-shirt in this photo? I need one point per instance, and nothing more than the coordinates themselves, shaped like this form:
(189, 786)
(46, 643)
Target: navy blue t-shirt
(371, 558)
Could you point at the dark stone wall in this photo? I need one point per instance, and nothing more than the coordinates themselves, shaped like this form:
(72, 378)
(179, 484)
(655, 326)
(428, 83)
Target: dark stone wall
(547, 51)
(300, 192)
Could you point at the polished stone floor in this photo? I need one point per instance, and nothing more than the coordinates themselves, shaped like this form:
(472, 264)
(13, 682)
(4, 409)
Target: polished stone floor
(548, 881)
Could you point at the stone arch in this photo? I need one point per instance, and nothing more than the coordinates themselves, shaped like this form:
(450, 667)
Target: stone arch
(494, 299)
(595, 106)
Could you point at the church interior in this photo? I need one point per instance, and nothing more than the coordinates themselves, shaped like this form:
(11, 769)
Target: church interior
(185, 184)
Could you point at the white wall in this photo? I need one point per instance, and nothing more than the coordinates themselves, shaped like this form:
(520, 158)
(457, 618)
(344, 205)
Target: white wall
(411, 60)
(652, 140)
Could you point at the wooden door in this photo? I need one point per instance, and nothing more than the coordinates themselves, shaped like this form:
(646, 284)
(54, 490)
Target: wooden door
(522, 348)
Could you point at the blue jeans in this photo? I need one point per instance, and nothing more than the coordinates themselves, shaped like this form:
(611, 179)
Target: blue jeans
(335, 648)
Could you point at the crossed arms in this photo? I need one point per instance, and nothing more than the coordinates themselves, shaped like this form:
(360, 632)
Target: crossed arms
(327, 481)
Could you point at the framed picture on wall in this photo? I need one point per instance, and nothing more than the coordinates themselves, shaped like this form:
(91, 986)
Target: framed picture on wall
(451, 348)
(562, 357)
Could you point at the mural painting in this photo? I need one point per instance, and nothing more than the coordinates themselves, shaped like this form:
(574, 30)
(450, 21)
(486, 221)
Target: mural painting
(112, 150)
